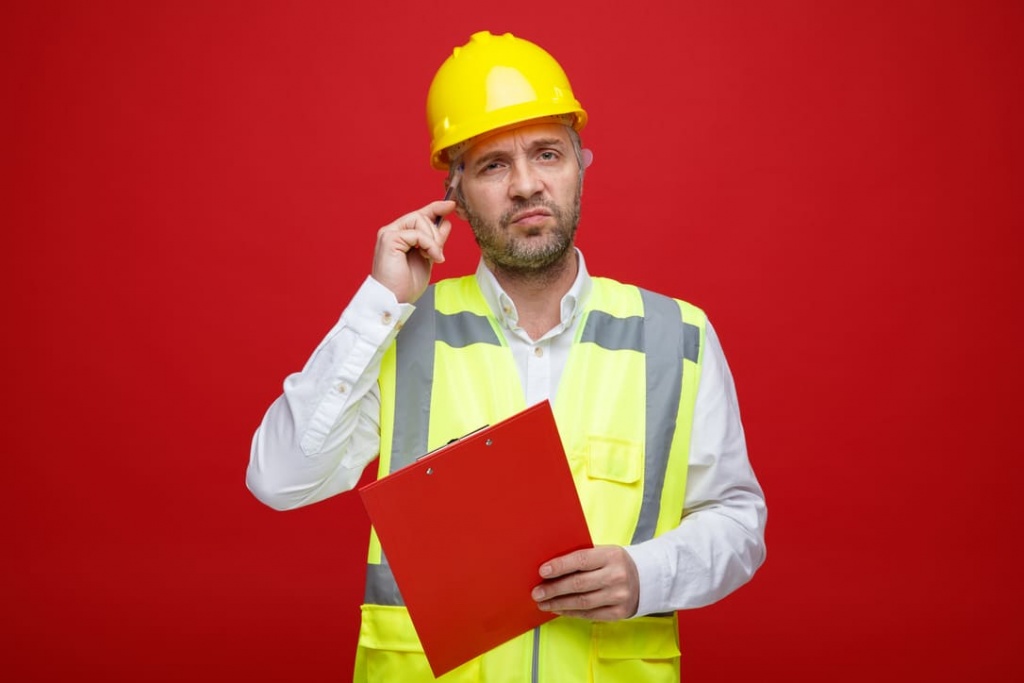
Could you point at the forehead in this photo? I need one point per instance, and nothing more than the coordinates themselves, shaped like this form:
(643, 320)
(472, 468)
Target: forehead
(520, 138)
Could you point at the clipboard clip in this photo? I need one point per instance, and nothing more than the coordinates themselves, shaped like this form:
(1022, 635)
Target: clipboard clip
(451, 441)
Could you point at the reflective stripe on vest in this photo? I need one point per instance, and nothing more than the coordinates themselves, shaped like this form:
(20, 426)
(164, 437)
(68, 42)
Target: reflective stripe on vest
(415, 370)
(656, 327)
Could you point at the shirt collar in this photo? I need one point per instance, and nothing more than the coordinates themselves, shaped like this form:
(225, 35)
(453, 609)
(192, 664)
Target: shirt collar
(504, 308)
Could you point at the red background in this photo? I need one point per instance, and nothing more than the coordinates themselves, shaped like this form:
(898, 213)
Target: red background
(191, 196)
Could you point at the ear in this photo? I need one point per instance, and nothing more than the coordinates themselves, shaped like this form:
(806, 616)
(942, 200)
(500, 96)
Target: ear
(452, 185)
(588, 158)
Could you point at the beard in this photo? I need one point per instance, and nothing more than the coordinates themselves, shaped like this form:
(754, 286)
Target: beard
(527, 254)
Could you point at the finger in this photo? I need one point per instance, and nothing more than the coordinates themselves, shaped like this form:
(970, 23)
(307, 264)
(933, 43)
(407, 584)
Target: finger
(439, 209)
(433, 247)
(440, 228)
(577, 592)
(576, 561)
(436, 211)
(442, 232)
(426, 245)
(613, 602)
(580, 602)
(416, 232)
(429, 216)
(577, 583)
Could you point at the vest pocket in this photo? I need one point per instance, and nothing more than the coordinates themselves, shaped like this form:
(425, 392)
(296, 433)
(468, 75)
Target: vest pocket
(613, 460)
(611, 489)
(390, 650)
(642, 649)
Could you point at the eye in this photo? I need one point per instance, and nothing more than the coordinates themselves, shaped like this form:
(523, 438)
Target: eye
(548, 155)
(491, 167)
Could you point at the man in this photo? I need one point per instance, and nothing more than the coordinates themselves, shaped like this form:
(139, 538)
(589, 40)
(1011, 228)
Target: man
(641, 392)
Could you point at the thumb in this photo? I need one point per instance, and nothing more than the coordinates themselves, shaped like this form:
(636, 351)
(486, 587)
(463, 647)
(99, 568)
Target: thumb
(444, 231)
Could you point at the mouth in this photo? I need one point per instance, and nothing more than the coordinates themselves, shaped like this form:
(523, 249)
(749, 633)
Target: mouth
(530, 216)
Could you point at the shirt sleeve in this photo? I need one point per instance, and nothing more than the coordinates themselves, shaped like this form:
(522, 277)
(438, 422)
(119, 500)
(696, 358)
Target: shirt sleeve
(319, 435)
(719, 543)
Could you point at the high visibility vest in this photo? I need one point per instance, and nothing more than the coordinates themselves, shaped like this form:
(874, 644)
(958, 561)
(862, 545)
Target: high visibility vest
(624, 410)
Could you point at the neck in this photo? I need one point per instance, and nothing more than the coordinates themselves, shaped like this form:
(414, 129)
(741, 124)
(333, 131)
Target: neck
(538, 294)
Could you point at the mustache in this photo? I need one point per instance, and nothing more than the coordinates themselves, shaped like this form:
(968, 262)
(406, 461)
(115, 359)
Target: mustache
(520, 205)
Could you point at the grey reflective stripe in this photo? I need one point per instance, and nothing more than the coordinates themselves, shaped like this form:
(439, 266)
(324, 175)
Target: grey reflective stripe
(535, 674)
(414, 372)
(614, 334)
(691, 343)
(462, 329)
(663, 339)
(381, 588)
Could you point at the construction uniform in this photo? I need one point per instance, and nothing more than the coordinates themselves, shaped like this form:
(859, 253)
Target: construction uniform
(624, 410)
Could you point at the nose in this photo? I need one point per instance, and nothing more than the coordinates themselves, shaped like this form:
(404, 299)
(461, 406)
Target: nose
(524, 181)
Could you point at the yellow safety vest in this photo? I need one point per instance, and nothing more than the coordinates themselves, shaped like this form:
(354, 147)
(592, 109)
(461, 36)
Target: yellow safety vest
(624, 411)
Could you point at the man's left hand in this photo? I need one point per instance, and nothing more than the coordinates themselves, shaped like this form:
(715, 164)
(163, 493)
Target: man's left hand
(597, 583)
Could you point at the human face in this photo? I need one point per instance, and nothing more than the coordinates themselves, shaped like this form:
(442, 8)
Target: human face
(521, 195)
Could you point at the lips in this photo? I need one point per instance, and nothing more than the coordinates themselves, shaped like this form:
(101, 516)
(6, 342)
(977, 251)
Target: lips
(526, 216)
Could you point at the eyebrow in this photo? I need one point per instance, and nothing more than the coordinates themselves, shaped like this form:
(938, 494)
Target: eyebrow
(547, 142)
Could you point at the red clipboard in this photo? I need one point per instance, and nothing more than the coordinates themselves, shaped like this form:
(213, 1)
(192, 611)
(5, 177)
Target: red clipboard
(466, 528)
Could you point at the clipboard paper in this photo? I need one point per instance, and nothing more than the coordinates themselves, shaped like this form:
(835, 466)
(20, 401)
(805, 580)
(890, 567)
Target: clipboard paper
(466, 528)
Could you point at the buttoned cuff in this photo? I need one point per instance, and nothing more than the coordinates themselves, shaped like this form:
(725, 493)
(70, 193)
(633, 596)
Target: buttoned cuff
(346, 361)
(374, 313)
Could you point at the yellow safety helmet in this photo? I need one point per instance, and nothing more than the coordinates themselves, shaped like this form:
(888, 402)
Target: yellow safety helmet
(493, 82)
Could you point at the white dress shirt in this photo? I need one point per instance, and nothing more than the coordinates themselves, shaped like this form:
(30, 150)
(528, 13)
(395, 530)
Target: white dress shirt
(318, 436)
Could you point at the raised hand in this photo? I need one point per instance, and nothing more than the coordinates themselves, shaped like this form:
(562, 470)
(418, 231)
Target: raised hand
(407, 249)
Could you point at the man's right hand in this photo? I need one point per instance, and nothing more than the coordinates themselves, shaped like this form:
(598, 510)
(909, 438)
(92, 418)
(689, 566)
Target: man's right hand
(407, 248)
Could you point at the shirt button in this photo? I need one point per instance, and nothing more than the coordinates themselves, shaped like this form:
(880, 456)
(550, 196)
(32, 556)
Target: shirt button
(342, 388)
(538, 351)
(386, 318)
(507, 310)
